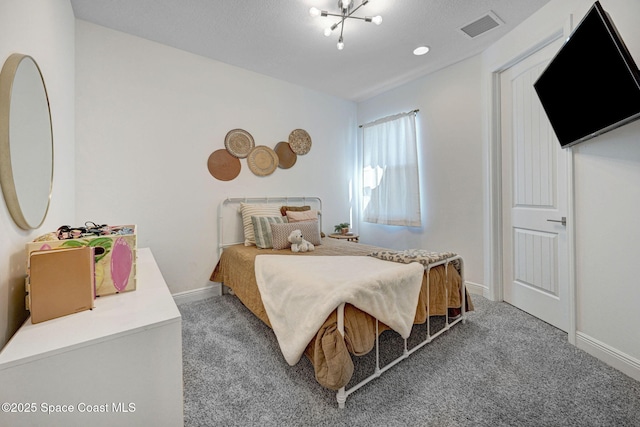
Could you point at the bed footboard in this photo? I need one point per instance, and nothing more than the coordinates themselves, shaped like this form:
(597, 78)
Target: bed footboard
(343, 393)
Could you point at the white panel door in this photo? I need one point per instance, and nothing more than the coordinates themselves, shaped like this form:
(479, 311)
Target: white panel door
(534, 195)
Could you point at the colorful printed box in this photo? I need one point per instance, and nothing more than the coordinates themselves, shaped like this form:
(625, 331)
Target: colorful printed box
(115, 267)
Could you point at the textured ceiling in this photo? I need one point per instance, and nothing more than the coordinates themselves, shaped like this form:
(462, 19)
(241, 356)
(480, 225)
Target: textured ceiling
(279, 38)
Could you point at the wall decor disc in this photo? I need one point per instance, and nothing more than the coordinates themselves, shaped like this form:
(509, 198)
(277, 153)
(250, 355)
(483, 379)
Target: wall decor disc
(300, 141)
(223, 166)
(239, 143)
(286, 156)
(262, 160)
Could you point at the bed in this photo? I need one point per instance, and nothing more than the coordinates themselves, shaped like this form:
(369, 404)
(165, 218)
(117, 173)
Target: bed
(347, 331)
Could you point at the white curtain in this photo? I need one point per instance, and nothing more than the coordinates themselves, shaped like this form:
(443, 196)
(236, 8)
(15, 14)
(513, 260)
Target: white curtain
(391, 190)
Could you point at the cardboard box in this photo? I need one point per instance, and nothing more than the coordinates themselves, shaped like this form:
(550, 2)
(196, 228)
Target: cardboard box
(115, 269)
(61, 282)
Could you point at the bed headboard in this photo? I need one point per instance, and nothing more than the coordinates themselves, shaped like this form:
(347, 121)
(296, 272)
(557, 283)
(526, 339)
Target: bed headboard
(230, 230)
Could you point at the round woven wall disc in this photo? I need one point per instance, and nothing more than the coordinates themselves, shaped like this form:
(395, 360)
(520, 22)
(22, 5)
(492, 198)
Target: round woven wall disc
(223, 166)
(262, 160)
(239, 143)
(286, 156)
(300, 141)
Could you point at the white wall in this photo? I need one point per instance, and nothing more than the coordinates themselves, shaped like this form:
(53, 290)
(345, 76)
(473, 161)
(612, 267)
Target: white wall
(449, 128)
(149, 116)
(606, 196)
(607, 174)
(607, 178)
(43, 29)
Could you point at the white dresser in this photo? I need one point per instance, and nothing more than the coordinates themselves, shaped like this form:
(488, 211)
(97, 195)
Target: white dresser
(118, 364)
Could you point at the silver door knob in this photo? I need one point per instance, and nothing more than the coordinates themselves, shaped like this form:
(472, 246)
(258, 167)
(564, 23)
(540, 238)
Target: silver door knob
(562, 221)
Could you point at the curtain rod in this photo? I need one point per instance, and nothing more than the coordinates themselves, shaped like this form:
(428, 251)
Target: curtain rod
(393, 115)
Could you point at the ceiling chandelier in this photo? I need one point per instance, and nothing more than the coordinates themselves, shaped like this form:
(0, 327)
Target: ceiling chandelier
(346, 11)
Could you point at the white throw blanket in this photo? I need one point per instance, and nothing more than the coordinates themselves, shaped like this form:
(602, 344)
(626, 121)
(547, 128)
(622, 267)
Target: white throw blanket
(299, 293)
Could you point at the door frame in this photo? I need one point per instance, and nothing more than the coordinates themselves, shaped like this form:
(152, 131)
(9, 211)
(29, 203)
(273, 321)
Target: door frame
(494, 260)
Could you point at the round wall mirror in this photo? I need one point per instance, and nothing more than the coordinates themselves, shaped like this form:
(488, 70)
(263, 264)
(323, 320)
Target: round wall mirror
(26, 141)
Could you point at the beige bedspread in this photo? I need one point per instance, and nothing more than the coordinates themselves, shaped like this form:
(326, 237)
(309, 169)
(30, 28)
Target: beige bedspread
(329, 353)
(317, 285)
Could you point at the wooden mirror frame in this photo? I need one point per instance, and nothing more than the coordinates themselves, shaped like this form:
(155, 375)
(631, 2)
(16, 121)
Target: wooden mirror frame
(14, 194)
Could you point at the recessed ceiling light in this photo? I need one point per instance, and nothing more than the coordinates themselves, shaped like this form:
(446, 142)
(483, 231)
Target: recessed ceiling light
(421, 50)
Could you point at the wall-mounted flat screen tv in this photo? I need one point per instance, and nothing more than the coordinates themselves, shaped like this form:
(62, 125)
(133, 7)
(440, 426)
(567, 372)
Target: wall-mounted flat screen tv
(592, 85)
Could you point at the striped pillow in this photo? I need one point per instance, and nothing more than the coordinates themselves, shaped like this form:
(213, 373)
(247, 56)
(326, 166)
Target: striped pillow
(280, 233)
(262, 229)
(248, 210)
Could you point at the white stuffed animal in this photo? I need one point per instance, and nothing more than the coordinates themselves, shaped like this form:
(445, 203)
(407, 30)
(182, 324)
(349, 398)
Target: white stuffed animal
(298, 243)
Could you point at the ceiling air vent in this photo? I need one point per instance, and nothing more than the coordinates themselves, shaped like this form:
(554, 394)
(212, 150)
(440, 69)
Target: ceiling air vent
(481, 25)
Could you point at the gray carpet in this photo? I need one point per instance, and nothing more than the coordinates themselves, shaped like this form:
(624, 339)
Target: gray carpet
(501, 368)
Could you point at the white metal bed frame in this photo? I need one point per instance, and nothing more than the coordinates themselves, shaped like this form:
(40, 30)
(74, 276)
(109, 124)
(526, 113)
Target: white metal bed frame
(343, 393)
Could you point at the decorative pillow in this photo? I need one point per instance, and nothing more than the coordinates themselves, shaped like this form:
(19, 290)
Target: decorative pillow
(280, 233)
(284, 209)
(248, 210)
(262, 229)
(301, 216)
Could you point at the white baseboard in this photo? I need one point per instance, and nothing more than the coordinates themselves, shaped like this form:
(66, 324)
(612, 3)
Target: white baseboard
(621, 361)
(477, 289)
(198, 294)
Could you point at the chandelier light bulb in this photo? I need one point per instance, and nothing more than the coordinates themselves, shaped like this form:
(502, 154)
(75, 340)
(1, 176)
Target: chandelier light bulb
(346, 11)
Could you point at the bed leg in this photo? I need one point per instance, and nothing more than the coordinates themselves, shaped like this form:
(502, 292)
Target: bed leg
(428, 269)
(377, 370)
(463, 291)
(446, 295)
(341, 397)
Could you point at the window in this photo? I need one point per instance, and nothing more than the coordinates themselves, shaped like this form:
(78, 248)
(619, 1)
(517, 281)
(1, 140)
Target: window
(390, 181)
